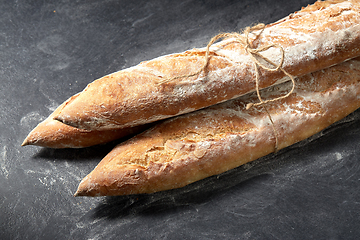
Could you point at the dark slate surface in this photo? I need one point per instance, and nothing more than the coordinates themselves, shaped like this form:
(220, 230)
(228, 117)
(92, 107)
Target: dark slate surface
(50, 50)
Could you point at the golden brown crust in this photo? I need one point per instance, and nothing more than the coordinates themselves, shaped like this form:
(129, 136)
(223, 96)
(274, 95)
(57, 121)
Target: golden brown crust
(197, 145)
(54, 134)
(319, 36)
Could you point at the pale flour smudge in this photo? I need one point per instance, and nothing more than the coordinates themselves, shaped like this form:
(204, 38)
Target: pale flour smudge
(3, 161)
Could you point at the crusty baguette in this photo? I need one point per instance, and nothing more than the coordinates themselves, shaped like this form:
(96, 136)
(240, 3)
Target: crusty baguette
(54, 134)
(319, 36)
(197, 145)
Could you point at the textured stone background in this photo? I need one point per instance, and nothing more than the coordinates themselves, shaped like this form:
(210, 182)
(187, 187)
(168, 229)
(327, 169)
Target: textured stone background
(50, 50)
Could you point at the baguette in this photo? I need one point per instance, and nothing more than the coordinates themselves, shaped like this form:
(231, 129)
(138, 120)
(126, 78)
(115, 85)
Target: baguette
(318, 36)
(207, 142)
(51, 133)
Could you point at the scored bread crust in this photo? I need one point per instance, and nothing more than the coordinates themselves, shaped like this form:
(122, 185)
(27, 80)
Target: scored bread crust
(207, 142)
(318, 36)
(54, 134)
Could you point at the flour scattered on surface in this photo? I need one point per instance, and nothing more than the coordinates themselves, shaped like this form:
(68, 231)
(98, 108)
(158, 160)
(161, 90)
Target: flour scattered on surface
(31, 119)
(47, 181)
(3, 163)
(338, 156)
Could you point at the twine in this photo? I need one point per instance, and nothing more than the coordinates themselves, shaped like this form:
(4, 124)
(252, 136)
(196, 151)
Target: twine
(274, 129)
(254, 53)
